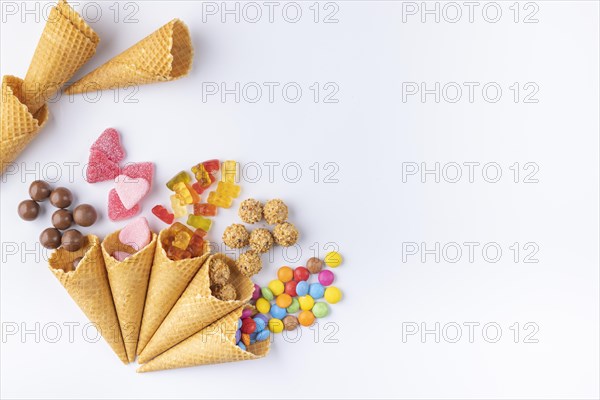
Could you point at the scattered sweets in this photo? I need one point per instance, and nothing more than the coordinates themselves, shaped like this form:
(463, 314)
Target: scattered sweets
(251, 211)
(50, 238)
(285, 234)
(182, 176)
(285, 274)
(267, 293)
(62, 219)
(179, 210)
(39, 190)
(290, 288)
(333, 259)
(320, 310)
(314, 265)
(275, 212)
(326, 277)
(143, 170)
(277, 312)
(333, 295)
(261, 240)
(100, 168)
(256, 293)
(180, 235)
(199, 222)
(61, 197)
(306, 318)
(84, 215)
(72, 240)
(263, 305)
(236, 236)
(276, 287)
(116, 209)
(275, 325)
(205, 209)
(249, 263)
(252, 328)
(284, 300)
(28, 210)
(294, 307)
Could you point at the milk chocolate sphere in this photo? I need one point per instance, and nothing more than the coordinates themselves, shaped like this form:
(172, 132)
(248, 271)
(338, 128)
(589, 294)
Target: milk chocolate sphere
(28, 210)
(50, 238)
(85, 215)
(39, 190)
(72, 240)
(61, 197)
(62, 219)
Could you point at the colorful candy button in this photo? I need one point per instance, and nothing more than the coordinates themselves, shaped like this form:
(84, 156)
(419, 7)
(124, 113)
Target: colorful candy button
(294, 307)
(320, 309)
(302, 288)
(333, 259)
(301, 274)
(306, 318)
(333, 295)
(277, 312)
(316, 290)
(306, 302)
(276, 325)
(285, 274)
(267, 293)
(326, 277)
(277, 287)
(290, 288)
(263, 305)
(284, 300)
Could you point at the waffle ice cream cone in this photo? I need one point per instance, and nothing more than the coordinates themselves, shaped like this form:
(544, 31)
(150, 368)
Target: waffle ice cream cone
(212, 345)
(18, 126)
(197, 308)
(88, 286)
(66, 44)
(168, 280)
(164, 55)
(128, 282)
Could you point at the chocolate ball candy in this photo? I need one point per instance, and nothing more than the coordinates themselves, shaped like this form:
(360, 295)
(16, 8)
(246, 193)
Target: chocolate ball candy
(62, 219)
(85, 215)
(72, 240)
(61, 197)
(314, 265)
(50, 238)
(28, 210)
(76, 262)
(39, 190)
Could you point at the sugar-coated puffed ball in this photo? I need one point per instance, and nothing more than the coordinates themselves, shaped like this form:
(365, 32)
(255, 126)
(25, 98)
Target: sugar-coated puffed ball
(285, 234)
(251, 211)
(224, 292)
(218, 271)
(261, 240)
(275, 211)
(236, 236)
(249, 263)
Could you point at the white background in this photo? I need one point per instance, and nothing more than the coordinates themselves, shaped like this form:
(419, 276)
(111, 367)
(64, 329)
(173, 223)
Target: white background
(369, 134)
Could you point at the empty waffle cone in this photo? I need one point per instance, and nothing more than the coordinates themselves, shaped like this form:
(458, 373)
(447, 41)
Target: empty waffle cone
(88, 286)
(197, 308)
(18, 126)
(129, 283)
(66, 44)
(214, 344)
(164, 55)
(168, 280)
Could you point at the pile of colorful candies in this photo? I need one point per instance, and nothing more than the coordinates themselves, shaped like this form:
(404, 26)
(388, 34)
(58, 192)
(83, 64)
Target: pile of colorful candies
(188, 193)
(252, 328)
(181, 242)
(292, 292)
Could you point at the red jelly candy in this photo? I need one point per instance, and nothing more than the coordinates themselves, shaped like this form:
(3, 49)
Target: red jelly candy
(248, 325)
(290, 288)
(109, 143)
(205, 209)
(101, 168)
(176, 254)
(211, 166)
(301, 274)
(196, 244)
(163, 214)
(139, 170)
(116, 209)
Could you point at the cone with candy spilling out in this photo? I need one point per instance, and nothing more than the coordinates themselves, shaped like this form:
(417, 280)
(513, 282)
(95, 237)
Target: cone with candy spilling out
(128, 282)
(164, 55)
(212, 345)
(168, 280)
(197, 308)
(87, 284)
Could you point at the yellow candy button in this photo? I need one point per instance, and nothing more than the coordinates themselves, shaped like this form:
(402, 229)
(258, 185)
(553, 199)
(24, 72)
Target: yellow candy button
(332, 295)
(306, 302)
(275, 325)
(333, 259)
(263, 306)
(277, 287)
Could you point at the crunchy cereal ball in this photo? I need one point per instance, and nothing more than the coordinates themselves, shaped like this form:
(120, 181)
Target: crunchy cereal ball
(251, 211)
(261, 240)
(285, 234)
(249, 263)
(224, 292)
(275, 212)
(218, 272)
(236, 236)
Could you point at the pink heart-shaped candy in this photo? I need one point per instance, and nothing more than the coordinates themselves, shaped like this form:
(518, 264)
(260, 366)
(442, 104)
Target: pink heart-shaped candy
(131, 191)
(136, 234)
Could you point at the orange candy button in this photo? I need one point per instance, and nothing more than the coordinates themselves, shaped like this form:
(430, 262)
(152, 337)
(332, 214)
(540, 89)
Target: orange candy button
(306, 318)
(284, 300)
(285, 274)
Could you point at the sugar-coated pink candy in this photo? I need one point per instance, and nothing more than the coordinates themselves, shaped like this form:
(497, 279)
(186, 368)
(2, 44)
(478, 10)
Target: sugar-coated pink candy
(116, 209)
(136, 233)
(139, 170)
(109, 143)
(131, 190)
(100, 168)
(326, 277)
(247, 313)
(120, 255)
(256, 293)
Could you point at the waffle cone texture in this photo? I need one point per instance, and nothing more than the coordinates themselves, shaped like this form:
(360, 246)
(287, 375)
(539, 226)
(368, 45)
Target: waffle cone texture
(197, 308)
(129, 283)
(168, 280)
(164, 55)
(212, 345)
(67, 43)
(88, 286)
